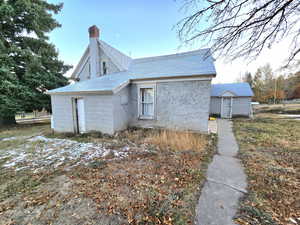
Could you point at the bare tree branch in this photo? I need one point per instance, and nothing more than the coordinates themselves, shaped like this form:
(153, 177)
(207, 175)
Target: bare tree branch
(238, 28)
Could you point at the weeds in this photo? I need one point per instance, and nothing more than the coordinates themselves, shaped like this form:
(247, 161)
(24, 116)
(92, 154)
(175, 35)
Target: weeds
(178, 141)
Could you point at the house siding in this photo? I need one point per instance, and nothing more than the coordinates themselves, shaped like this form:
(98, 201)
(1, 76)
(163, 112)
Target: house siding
(121, 111)
(98, 113)
(182, 105)
(84, 74)
(111, 67)
(215, 105)
(62, 113)
(240, 106)
(99, 110)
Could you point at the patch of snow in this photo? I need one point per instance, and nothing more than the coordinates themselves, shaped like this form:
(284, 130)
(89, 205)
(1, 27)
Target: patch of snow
(106, 153)
(126, 148)
(39, 138)
(291, 115)
(9, 139)
(120, 154)
(14, 138)
(56, 152)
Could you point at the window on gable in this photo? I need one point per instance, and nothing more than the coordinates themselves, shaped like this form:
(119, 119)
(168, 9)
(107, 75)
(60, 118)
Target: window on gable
(104, 68)
(89, 75)
(146, 109)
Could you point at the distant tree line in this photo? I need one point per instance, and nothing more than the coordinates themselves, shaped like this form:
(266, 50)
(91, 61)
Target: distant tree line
(269, 87)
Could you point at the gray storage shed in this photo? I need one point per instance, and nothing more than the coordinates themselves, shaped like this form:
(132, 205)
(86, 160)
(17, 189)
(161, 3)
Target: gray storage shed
(229, 100)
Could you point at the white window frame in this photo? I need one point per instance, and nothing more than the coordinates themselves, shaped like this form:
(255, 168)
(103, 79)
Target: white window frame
(140, 115)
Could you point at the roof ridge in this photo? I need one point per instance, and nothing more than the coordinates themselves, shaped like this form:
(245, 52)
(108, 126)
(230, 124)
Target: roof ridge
(240, 89)
(105, 46)
(82, 59)
(148, 58)
(232, 83)
(113, 48)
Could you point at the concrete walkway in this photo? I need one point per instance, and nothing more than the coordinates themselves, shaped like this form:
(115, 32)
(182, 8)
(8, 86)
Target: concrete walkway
(226, 182)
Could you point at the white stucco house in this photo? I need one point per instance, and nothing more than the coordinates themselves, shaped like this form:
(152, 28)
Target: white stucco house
(231, 100)
(113, 91)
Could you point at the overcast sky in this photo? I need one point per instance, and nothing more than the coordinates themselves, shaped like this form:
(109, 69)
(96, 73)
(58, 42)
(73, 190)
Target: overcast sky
(141, 28)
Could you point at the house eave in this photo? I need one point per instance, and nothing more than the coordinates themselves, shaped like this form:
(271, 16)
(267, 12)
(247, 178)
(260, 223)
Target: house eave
(81, 63)
(236, 96)
(175, 77)
(136, 80)
(104, 92)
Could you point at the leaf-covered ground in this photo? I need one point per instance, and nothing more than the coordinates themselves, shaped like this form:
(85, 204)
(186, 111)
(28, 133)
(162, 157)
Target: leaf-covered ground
(135, 177)
(270, 153)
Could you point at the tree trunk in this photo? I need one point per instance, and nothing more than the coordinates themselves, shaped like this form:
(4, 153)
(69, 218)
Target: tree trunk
(7, 120)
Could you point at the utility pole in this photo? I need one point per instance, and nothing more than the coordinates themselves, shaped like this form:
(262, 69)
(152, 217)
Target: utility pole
(275, 90)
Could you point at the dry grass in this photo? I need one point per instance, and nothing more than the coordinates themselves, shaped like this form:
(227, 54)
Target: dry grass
(177, 140)
(162, 139)
(278, 108)
(19, 132)
(270, 152)
(23, 130)
(158, 185)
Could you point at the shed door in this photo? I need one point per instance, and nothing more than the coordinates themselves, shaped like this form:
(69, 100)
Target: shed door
(80, 115)
(226, 108)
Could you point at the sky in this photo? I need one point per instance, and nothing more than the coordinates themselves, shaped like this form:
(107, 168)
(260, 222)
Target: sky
(141, 28)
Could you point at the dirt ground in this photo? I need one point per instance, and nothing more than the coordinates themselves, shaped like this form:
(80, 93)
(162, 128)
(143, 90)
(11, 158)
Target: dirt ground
(135, 177)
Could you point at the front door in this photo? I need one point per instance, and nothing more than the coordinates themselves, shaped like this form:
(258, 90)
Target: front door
(80, 115)
(226, 108)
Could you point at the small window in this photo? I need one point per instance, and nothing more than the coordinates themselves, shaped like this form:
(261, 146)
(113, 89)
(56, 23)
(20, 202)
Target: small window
(146, 103)
(104, 67)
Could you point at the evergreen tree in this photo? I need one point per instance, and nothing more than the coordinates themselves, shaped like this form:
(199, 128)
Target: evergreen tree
(247, 78)
(29, 64)
(257, 86)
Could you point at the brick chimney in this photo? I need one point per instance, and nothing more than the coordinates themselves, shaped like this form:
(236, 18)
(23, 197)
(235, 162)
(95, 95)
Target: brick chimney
(94, 32)
(94, 52)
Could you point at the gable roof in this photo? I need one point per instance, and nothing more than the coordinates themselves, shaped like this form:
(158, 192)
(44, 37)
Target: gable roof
(187, 64)
(121, 60)
(238, 89)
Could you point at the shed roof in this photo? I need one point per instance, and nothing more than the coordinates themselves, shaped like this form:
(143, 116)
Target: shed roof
(238, 89)
(194, 63)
